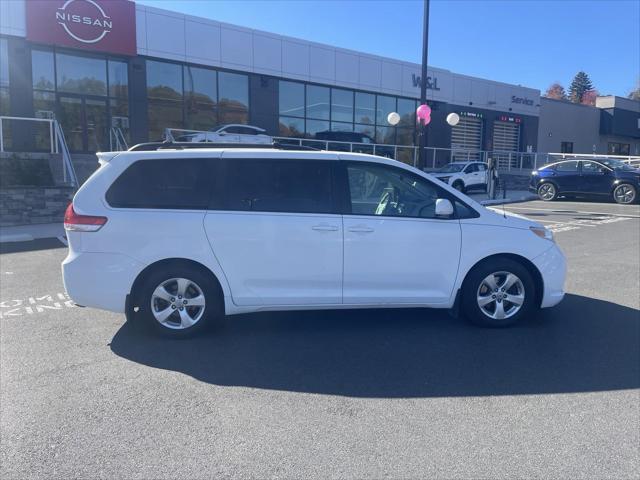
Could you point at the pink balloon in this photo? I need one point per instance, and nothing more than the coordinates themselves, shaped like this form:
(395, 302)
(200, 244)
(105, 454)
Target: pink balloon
(424, 114)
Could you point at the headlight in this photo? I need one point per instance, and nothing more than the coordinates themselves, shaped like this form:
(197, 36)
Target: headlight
(543, 232)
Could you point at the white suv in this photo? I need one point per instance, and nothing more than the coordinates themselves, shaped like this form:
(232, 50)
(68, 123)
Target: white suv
(464, 176)
(178, 237)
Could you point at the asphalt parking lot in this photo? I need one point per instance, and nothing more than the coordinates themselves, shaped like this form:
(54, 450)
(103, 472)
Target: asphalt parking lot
(343, 394)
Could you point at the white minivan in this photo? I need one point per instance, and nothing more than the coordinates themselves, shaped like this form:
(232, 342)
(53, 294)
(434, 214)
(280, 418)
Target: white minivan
(177, 237)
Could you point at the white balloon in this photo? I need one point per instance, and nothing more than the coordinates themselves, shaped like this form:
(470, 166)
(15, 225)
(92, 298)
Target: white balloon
(393, 118)
(453, 119)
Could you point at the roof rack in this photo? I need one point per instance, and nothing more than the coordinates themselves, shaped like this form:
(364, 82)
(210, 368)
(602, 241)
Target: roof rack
(152, 146)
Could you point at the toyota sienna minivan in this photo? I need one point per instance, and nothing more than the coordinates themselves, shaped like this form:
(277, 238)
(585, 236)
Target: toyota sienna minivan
(178, 237)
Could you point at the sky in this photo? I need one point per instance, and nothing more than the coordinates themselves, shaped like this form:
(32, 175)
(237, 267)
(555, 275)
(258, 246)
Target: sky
(525, 42)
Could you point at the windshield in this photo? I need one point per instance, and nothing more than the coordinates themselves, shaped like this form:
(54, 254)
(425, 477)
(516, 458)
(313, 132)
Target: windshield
(616, 164)
(452, 168)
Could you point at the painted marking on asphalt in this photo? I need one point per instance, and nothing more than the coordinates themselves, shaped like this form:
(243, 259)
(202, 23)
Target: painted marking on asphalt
(556, 226)
(572, 212)
(33, 305)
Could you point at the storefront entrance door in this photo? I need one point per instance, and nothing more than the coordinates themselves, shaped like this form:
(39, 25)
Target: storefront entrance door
(84, 122)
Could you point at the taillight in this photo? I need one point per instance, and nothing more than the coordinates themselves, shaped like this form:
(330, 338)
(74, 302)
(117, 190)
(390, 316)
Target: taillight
(82, 223)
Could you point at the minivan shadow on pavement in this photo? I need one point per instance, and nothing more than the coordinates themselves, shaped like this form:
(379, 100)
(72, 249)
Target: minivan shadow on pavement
(581, 345)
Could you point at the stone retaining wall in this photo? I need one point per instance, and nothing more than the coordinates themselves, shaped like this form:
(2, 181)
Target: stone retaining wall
(33, 205)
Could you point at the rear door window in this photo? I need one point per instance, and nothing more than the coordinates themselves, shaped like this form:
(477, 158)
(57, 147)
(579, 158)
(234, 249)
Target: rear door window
(180, 183)
(569, 167)
(273, 185)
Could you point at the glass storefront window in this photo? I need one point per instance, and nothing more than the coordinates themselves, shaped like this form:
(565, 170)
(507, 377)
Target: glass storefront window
(291, 127)
(315, 126)
(291, 98)
(341, 105)
(76, 74)
(318, 102)
(200, 93)
(233, 98)
(42, 70)
(386, 105)
(200, 85)
(368, 130)
(118, 79)
(163, 114)
(341, 127)
(385, 135)
(5, 106)
(407, 111)
(365, 108)
(4, 62)
(404, 136)
(164, 80)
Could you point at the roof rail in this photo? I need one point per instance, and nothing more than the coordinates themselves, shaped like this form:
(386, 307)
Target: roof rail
(152, 146)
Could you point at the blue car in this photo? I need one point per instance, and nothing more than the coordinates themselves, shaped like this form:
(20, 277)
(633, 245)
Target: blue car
(604, 178)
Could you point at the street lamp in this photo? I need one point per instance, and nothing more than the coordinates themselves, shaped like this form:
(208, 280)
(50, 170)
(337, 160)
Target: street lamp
(422, 154)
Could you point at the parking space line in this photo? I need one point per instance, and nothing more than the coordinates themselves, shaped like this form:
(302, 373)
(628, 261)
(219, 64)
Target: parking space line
(573, 212)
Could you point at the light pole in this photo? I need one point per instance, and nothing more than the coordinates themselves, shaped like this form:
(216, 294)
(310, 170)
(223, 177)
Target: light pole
(422, 154)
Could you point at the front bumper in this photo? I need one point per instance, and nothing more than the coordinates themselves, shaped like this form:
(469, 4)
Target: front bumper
(552, 265)
(99, 280)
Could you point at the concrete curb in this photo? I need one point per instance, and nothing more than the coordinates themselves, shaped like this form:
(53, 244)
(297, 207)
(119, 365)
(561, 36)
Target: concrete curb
(16, 237)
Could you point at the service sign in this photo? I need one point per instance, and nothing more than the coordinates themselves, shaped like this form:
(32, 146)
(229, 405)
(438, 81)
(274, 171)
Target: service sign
(97, 25)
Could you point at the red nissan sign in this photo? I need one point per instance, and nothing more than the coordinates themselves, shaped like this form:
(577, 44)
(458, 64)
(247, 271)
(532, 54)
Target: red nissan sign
(98, 25)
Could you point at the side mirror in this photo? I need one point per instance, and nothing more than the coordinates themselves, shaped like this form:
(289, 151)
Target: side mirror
(444, 208)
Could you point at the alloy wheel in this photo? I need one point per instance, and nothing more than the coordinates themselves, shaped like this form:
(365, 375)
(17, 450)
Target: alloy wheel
(178, 303)
(547, 191)
(624, 194)
(500, 295)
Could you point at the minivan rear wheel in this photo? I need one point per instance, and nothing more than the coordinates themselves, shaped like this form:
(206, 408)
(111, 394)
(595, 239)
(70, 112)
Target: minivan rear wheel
(498, 293)
(178, 301)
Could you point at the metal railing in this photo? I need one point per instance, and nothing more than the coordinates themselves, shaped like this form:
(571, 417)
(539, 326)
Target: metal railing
(435, 157)
(117, 140)
(55, 142)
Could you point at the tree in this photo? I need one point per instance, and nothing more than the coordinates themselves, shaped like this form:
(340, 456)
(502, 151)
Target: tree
(581, 83)
(589, 98)
(635, 93)
(556, 91)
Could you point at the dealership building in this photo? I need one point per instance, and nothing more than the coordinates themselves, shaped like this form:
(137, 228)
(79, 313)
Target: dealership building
(96, 64)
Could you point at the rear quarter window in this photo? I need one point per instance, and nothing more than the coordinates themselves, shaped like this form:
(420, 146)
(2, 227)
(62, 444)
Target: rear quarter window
(181, 183)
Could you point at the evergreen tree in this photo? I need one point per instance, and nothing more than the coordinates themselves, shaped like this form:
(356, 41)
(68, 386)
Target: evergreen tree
(579, 86)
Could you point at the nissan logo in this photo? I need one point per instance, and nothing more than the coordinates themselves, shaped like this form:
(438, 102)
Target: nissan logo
(84, 20)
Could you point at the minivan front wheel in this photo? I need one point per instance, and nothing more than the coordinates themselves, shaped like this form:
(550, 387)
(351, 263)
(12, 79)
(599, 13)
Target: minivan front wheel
(498, 293)
(178, 301)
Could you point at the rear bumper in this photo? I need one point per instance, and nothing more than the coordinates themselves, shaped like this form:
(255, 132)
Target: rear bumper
(99, 280)
(553, 268)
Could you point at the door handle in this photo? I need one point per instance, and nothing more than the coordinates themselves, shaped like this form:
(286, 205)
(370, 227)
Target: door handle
(361, 229)
(325, 228)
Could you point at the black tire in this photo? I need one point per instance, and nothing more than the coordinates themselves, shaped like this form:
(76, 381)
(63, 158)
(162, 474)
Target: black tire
(629, 198)
(458, 185)
(213, 309)
(547, 192)
(474, 283)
